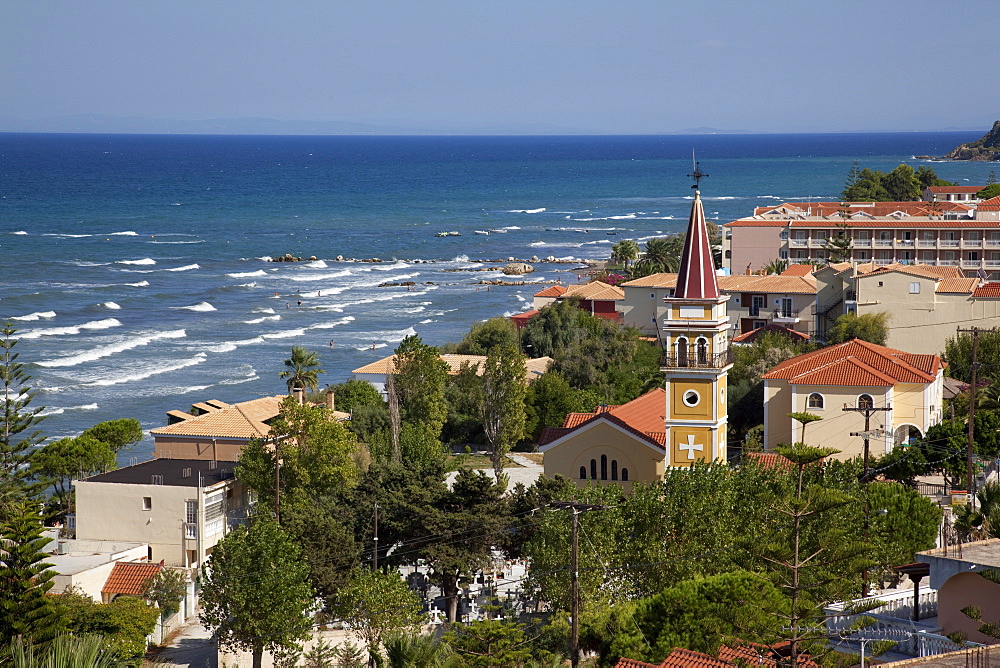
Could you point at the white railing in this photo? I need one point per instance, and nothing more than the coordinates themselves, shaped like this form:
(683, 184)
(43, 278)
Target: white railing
(972, 243)
(970, 264)
(992, 263)
(882, 261)
(993, 243)
(947, 263)
(883, 242)
(927, 243)
(904, 242)
(190, 530)
(949, 243)
(799, 242)
(862, 243)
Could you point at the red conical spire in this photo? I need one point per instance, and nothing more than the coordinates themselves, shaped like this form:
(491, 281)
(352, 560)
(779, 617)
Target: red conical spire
(696, 276)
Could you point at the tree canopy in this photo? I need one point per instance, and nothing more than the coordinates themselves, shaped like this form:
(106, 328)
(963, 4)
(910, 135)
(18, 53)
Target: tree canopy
(900, 185)
(990, 191)
(870, 327)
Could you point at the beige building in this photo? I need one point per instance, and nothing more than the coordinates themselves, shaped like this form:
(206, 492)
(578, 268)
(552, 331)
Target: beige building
(614, 444)
(180, 508)
(754, 301)
(855, 374)
(952, 234)
(377, 372)
(925, 303)
(86, 565)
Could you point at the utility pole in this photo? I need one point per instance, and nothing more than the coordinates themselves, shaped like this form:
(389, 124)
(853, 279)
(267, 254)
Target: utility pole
(970, 451)
(375, 552)
(577, 508)
(868, 433)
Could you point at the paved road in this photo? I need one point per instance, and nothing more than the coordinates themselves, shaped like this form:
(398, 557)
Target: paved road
(527, 473)
(192, 647)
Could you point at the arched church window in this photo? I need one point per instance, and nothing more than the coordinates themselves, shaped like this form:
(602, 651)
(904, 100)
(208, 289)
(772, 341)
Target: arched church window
(702, 351)
(682, 352)
(593, 469)
(624, 475)
(866, 401)
(815, 400)
(583, 473)
(614, 469)
(604, 467)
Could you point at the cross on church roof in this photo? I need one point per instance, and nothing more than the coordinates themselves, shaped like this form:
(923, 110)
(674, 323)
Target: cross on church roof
(697, 174)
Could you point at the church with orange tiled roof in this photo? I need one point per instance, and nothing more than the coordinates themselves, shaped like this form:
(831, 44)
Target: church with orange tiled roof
(854, 374)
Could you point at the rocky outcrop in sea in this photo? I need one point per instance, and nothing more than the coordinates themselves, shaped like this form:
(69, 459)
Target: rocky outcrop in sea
(985, 149)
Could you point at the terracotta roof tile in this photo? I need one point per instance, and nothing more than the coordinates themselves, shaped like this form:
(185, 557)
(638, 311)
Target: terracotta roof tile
(551, 291)
(768, 460)
(644, 417)
(243, 420)
(752, 222)
(751, 336)
(130, 578)
(991, 204)
(774, 283)
(959, 285)
(987, 291)
(594, 290)
(857, 363)
(955, 189)
(876, 209)
(632, 663)
(535, 366)
(910, 223)
(922, 270)
(798, 270)
(652, 281)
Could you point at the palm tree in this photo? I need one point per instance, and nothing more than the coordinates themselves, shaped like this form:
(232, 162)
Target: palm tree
(663, 255)
(302, 369)
(417, 651)
(65, 651)
(776, 266)
(624, 252)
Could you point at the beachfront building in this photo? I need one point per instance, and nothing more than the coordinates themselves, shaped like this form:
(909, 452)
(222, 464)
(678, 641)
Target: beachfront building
(377, 372)
(925, 303)
(180, 508)
(786, 300)
(853, 374)
(965, 194)
(948, 234)
(596, 298)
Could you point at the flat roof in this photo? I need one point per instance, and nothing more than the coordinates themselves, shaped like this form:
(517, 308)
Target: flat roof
(170, 472)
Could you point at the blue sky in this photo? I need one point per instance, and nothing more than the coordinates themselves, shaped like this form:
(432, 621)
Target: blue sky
(622, 66)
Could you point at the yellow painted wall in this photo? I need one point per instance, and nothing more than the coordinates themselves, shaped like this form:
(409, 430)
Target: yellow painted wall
(703, 436)
(778, 397)
(679, 410)
(643, 462)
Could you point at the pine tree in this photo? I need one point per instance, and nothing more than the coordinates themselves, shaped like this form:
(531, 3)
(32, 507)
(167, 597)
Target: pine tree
(25, 579)
(17, 440)
(838, 247)
(502, 406)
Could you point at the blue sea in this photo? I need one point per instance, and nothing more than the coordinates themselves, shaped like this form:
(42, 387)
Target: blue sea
(137, 270)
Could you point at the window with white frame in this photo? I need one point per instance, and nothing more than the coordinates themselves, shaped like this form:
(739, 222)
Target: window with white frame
(915, 288)
(215, 510)
(815, 401)
(866, 401)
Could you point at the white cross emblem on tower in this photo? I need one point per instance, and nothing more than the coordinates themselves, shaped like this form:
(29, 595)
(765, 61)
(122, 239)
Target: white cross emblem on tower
(691, 446)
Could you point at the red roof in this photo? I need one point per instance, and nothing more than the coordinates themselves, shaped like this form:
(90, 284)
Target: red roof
(857, 363)
(551, 291)
(991, 204)
(751, 336)
(877, 209)
(752, 655)
(130, 577)
(987, 291)
(955, 189)
(645, 417)
(798, 270)
(696, 276)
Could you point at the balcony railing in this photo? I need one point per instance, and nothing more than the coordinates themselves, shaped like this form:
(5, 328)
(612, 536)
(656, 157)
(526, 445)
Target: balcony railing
(784, 314)
(992, 263)
(949, 243)
(927, 243)
(672, 360)
(971, 264)
(884, 243)
(190, 530)
(862, 243)
(947, 263)
(972, 243)
(798, 242)
(993, 243)
(904, 242)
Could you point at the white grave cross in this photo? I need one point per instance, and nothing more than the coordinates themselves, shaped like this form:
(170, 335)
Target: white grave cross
(691, 446)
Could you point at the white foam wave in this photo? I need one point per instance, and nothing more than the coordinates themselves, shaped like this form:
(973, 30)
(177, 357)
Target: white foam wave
(200, 306)
(461, 258)
(415, 309)
(67, 236)
(527, 210)
(142, 375)
(60, 411)
(323, 277)
(247, 274)
(510, 227)
(127, 233)
(257, 321)
(140, 284)
(200, 241)
(111, 305)
(286, 334)
(591, 243)
(144, 261)
(392, 267)
(252, 284)
(112, 349)
(63, 331)
(91, 264)
(187, 267)
(333, 323)
(38, 315)
(318, 264)
(427, 321)
(20, 232)
(263, 309)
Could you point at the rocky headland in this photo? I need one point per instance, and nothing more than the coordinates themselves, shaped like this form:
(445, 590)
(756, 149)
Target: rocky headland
(985, 149)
